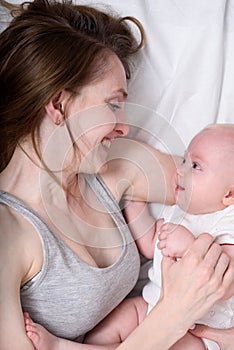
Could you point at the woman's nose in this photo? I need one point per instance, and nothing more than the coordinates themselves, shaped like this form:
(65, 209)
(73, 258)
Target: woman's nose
(122, 129)
(181, 170)
(121, 126)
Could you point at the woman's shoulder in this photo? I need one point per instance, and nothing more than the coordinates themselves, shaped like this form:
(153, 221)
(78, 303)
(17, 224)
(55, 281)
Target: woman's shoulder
(12, 223)
(20, 246)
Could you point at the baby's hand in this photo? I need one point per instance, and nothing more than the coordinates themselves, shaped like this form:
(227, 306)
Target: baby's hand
(174, 240)
(159, 225)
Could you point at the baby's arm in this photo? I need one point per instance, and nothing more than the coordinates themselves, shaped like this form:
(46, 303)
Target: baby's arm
(143, 226)
(174, 240)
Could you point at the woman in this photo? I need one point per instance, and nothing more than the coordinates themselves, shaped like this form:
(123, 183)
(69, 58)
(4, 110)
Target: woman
(64, 169)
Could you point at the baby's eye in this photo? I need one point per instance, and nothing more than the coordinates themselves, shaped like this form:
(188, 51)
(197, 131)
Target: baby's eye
(196, 166)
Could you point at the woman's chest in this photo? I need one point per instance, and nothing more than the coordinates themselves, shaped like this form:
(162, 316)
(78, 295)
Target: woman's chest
(91, 234)
(76, 295)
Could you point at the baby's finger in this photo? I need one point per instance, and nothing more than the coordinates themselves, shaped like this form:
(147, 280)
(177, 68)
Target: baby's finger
(161, 244)
(160, 236)
(163, 235)
(165, 252)
(160, 223)
(164, 226)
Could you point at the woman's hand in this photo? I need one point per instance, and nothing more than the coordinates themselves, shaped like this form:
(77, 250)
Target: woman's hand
(192, 285)
(223, 337)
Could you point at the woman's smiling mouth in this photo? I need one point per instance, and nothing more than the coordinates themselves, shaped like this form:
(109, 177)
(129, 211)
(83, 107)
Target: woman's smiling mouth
(179, 188)
(106, 143)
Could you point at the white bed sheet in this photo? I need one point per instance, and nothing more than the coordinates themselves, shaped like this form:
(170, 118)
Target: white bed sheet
(186, 71)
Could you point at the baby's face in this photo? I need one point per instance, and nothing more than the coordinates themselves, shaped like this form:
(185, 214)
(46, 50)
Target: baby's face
(205, 175)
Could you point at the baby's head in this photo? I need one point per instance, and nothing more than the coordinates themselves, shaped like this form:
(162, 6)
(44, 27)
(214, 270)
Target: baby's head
(206, 175)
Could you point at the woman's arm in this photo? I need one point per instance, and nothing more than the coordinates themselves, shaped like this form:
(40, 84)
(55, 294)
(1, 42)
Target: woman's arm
(142, 226)
(139, 172)
(12, 330)
(190, 287)
(14, 250)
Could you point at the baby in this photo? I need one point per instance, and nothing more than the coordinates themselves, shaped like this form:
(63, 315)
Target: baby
(204, 203)
(204, 194)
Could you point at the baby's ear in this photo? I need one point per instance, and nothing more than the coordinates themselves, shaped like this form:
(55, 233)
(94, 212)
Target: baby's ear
(228, 199)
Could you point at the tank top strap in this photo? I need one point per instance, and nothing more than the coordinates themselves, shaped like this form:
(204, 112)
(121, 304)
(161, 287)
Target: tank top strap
(106, 198)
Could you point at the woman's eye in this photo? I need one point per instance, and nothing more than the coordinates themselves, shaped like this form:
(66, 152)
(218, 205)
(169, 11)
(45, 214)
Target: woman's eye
(114, 106)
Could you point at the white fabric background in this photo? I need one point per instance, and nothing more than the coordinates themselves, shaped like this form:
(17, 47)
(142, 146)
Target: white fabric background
(186, 73)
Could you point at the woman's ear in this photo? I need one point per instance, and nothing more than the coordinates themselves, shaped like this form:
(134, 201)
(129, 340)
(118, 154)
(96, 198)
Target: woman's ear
(228, 199)
(55, 107)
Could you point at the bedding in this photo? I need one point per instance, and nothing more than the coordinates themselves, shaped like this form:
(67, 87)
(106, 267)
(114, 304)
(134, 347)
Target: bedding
(184, 78)
(186, 71)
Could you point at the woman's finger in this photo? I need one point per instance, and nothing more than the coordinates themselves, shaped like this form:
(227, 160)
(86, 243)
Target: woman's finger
(167, 262)
(212, 256)
(199, 279)
(201, 246)
(228, 281)
(222, 266)
(223, 337)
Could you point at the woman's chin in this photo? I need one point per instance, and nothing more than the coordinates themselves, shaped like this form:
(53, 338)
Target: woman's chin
(103, 169)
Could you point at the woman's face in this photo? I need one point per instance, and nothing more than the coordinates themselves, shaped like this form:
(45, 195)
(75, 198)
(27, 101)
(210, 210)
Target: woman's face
(96, 118)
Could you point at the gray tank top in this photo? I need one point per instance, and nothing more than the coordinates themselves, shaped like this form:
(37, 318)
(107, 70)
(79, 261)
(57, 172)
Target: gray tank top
(69, 297)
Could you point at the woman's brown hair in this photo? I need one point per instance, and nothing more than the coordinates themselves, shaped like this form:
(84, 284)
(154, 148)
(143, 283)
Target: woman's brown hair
(52, 46)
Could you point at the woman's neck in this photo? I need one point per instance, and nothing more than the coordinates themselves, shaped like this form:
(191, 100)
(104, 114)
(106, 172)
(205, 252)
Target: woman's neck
(26, 179)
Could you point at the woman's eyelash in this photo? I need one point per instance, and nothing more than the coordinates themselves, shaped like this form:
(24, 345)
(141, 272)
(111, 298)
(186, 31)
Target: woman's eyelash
(114, 106)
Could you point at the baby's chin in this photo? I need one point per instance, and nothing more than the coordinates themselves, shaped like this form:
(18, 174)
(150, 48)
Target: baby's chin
(189, 209)
(183, 205)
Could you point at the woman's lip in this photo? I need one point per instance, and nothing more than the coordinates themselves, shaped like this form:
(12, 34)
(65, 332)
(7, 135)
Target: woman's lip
(106, 143)
(179, 188)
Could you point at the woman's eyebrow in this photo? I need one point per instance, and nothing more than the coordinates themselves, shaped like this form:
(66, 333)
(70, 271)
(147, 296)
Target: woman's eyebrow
(121, 91)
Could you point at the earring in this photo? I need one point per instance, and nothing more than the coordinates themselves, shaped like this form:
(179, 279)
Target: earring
(57, 122)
